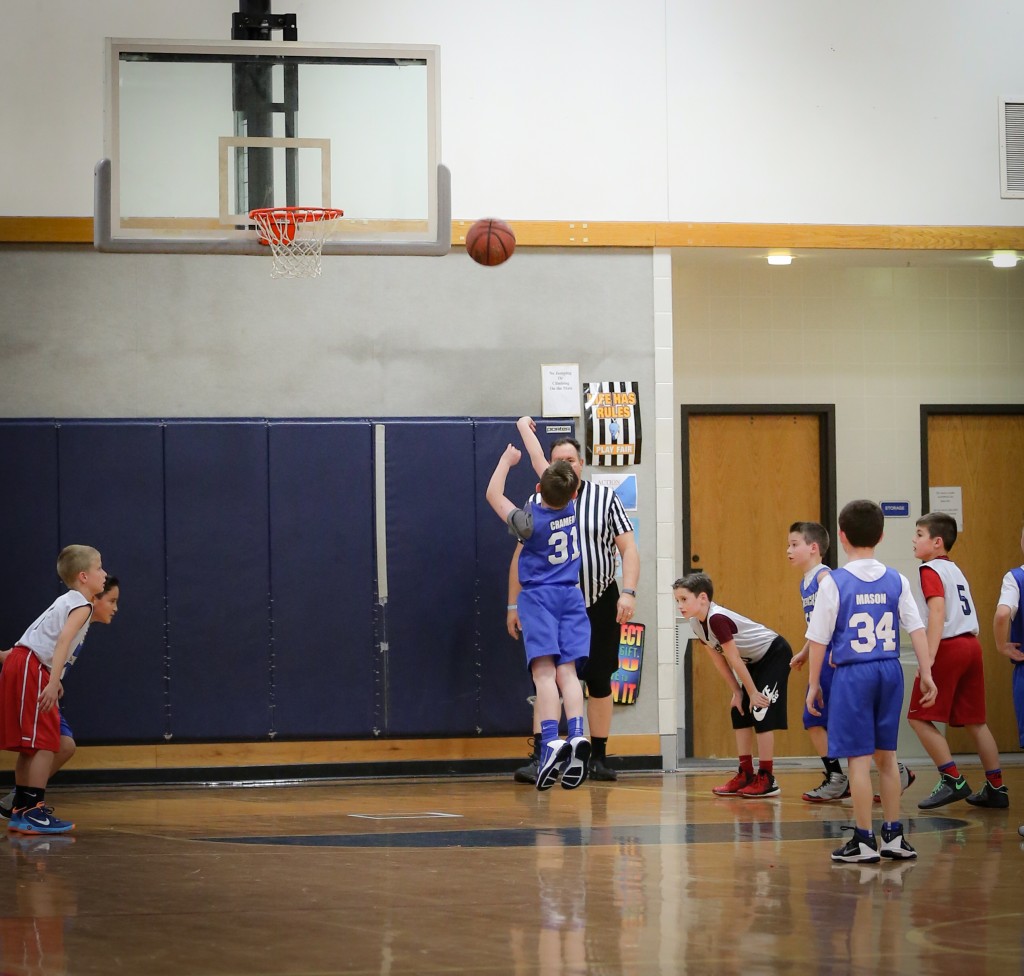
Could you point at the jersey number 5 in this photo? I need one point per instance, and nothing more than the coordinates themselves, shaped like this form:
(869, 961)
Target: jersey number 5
(871, 632)
(964, 602)
(559, 542)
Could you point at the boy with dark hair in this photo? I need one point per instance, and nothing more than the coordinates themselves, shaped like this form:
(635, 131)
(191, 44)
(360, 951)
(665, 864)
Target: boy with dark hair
(556, 631)
(808, 543)
(858, 614)
(957, 668)
(605, 533)
(806, 547)
(754, 662)
(1008, 630)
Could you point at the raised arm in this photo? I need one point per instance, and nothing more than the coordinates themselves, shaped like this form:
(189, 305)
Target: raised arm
(528, 431)
(496, 487)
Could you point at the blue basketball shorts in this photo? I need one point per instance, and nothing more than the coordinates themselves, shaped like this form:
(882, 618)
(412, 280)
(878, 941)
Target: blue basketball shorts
(555, 624)
(1018, 699)
(821, 721)
(865, 705)
(65, 729)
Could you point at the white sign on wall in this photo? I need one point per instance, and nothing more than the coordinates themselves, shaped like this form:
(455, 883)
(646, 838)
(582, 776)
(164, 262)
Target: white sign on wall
(560, 389)
(949, 500)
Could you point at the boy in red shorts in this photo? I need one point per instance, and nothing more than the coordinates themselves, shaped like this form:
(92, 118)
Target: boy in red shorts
(952, 627)
(30, 686)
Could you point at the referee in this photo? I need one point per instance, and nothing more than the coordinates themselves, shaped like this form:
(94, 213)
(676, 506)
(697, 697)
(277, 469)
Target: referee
(605, 532)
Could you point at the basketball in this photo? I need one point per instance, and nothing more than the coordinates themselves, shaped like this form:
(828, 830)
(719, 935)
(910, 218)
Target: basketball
(490, 241)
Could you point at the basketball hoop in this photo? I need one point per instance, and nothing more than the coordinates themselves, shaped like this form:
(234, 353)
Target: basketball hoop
(296, 237)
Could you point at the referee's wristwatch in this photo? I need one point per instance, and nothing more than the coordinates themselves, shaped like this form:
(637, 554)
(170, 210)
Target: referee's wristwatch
(631, 593)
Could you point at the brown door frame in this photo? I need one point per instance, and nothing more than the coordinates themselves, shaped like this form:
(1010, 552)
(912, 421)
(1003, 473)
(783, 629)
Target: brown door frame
(952, 409)
(826, 414)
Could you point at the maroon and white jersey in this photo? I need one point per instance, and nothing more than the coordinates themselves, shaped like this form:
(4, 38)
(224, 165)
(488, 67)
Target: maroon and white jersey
(961, 617)
(721, 625)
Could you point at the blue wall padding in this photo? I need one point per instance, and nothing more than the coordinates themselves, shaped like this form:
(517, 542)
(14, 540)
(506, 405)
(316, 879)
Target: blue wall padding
(111, 497)
(504, 680)
(218, 579)
(28, 514)
(323, 578)
(431, 664)
(247, 553)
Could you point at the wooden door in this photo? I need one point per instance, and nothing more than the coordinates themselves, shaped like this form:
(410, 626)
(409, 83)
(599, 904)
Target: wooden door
(983, 454)
(750, 477)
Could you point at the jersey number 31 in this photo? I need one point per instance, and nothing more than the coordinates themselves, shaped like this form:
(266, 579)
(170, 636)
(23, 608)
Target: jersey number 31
(559, 543)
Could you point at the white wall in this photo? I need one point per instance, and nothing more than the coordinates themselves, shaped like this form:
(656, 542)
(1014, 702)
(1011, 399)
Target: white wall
(877, 341)
(795, 111)
(874, 112)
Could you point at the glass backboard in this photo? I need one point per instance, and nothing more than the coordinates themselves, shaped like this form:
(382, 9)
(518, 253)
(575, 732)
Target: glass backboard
(199, 133)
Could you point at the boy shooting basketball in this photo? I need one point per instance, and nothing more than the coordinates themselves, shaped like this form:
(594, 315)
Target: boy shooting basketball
(556, 630)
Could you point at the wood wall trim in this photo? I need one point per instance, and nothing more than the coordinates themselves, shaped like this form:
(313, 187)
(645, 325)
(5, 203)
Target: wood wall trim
(172, 755)
(46, 230)
(554, 233)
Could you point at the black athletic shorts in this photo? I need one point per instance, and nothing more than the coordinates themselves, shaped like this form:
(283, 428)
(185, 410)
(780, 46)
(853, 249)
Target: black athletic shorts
(770, 675)
(605, 632)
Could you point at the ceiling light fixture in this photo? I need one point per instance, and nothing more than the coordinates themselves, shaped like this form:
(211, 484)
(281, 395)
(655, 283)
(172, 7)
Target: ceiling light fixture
(1004, 259)
(780, 259)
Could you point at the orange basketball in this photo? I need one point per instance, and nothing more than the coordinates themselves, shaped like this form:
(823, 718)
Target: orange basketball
(490, 241)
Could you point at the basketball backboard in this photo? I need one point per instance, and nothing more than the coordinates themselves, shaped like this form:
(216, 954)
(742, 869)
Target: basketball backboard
(201, 132)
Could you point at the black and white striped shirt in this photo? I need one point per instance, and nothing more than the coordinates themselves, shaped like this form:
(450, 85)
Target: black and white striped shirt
(601, 518)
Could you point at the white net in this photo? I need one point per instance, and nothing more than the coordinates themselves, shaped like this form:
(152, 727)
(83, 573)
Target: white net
(296, 238)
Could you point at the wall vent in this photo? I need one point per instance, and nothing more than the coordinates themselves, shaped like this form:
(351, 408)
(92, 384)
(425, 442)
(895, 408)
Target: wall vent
(1011, 148)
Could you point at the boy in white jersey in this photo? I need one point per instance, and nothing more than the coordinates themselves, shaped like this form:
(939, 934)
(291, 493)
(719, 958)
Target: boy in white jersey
(104, 609)
(30, 687)
(857, 616)
(754, 662)
(958, 670)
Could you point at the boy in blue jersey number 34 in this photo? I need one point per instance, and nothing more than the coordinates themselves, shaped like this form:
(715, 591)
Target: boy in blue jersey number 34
(859, 611)
(552, 611)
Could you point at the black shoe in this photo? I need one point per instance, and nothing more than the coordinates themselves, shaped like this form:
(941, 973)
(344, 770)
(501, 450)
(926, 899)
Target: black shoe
(528, 773)
(600, 771)
(948, 790)
(997, 797)
(857, 851)
(895, 846)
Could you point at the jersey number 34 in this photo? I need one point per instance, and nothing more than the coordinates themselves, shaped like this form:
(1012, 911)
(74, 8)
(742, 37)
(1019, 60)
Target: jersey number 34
(871, 632)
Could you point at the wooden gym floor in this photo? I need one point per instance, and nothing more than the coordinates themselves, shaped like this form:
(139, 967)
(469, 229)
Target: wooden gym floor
(481, 876)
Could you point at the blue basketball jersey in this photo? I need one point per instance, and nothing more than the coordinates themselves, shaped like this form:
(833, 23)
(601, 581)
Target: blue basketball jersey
(809, 592)
(551, 553)
(868, 620)
(1017, 624)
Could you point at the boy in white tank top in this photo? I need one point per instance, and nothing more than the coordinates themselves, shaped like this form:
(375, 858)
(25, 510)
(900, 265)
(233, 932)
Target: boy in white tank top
(957, 668)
